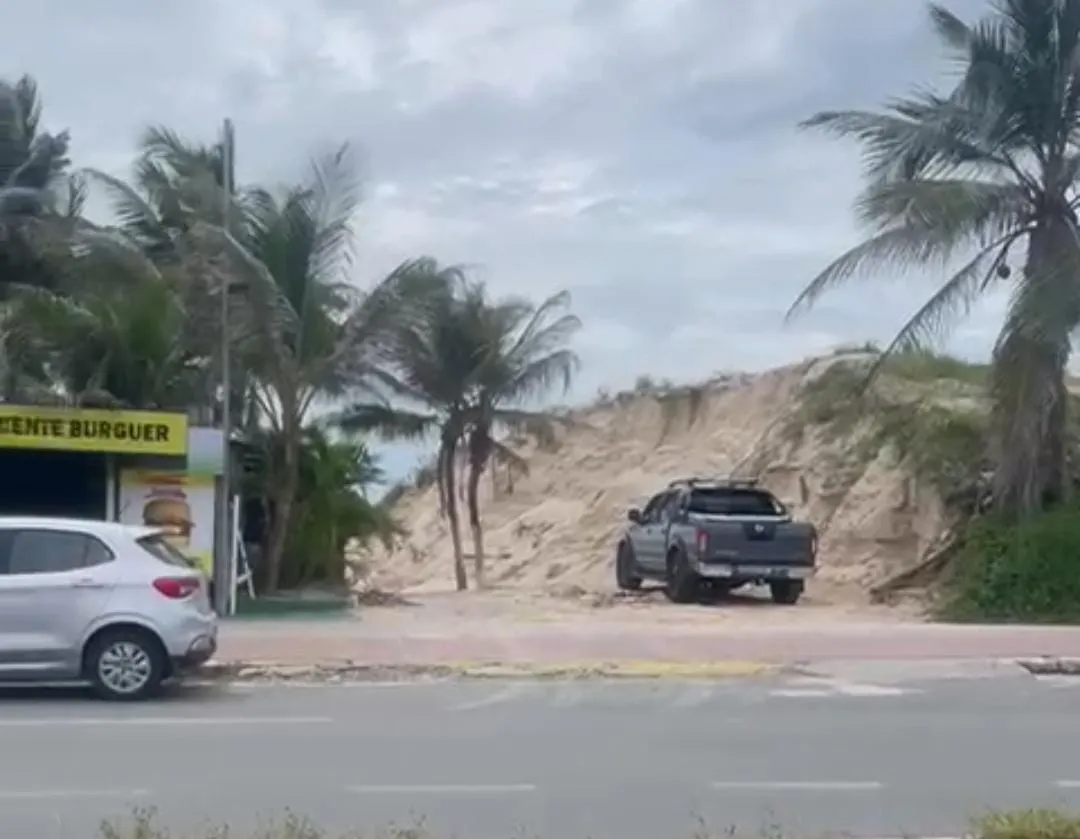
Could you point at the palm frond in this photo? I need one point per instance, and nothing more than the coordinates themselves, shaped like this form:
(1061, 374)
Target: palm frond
(970, 212)
(541, 426)
(385, 421)
(134, 213)
(953, 32)
(899, 249)
(334, 195)
(925, 136)
(948, 304)
(19, 115)
(539, 375)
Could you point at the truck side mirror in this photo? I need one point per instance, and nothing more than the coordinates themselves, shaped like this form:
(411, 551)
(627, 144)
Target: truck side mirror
(634, 515)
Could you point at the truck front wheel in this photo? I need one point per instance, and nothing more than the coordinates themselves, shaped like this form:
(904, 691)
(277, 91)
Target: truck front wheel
(786, 592)
(681, 583)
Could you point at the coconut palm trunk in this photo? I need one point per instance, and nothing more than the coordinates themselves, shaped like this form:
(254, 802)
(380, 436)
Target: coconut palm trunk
(282, 496)
(479, 455)
(1030, 396)
(447, 457)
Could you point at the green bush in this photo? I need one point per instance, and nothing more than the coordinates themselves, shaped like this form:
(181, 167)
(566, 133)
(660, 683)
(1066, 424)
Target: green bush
(1024, 571)
(1027, 824)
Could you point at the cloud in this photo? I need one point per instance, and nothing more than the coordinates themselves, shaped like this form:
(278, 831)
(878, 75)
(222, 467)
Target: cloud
(641, 153)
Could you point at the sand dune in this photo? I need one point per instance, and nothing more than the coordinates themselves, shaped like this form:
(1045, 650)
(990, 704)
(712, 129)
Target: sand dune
(556, 529)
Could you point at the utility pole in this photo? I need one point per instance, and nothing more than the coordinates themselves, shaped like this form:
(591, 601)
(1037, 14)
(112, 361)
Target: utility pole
(223, 571)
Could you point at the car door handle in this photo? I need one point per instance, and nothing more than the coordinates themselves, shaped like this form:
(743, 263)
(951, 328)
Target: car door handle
(87, 584)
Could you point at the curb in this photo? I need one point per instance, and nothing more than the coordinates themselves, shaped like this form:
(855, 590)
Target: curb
(634, 669)
(244, 671)
(1048, 666)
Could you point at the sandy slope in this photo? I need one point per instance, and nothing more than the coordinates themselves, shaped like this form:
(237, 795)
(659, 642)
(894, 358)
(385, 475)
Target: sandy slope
(556, 530)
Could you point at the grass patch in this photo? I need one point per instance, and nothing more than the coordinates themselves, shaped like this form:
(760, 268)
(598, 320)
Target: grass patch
(834, 402)
(1012, 824)
(1016, 571)
(932, 367)
(946, 447)
(1027, 824)
(901, 411)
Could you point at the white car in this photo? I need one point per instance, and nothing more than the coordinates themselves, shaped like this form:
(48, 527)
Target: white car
(109, 604)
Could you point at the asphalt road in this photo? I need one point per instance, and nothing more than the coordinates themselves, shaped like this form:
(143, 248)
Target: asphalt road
(496, 759)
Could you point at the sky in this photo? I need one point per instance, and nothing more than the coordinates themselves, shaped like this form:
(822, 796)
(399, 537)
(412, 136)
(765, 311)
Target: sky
(643, 154)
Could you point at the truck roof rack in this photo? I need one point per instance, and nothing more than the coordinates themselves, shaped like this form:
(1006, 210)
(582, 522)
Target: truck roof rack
(698, 480)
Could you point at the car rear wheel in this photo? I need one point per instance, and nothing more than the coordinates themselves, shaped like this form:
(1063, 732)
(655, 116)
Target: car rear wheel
(682, 583)
(786, 592)
(125, 665)
(626, 576)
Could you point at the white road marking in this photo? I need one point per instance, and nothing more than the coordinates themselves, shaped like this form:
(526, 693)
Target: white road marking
(808, 786)
(506, 694)
(39, 794)
(54, 722)
(441, 789)
(812, 687)
(852, 689)
(1067, 784)
(1058, 680)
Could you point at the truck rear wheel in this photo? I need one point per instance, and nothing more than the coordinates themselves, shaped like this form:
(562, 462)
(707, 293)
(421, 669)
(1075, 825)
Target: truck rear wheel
(681, 584)
(786, 592)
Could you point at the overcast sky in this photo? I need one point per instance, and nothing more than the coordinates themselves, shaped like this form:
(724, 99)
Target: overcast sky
(641, 153)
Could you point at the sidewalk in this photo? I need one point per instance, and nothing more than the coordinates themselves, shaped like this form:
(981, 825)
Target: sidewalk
(303, 643)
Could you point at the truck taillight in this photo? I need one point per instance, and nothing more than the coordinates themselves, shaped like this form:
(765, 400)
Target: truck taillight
(702, 540)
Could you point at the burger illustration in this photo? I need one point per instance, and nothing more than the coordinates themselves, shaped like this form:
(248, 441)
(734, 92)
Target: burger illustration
(168, 508)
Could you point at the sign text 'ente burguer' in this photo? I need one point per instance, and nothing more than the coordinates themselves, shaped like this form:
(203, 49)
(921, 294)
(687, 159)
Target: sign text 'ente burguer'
(93, 430)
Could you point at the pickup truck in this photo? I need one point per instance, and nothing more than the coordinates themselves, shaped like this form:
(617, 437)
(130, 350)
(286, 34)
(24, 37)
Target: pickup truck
(719, 533)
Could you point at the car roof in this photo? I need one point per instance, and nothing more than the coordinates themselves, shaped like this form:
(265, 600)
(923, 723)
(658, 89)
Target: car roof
(96, 526)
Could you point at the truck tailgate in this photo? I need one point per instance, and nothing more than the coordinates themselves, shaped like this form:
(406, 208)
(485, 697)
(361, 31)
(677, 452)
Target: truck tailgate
(758, 541)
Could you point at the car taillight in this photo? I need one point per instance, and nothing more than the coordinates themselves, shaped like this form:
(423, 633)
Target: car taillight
(702, 542)
(177, 588)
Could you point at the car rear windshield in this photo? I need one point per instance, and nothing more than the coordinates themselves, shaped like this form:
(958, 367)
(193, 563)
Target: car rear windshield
(733, 502)
(160, 548)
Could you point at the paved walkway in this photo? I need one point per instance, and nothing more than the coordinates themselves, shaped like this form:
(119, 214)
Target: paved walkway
(298, 642)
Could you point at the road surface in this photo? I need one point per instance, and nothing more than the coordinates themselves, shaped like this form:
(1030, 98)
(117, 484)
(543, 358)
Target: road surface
(480, 760)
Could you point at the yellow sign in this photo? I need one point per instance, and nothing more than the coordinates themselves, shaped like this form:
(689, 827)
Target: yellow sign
(93, 430)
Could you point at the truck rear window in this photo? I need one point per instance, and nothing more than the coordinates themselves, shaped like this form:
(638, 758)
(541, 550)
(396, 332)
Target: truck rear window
(733, 502)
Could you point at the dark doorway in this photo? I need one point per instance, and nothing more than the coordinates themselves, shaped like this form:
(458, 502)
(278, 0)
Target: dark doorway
(45, 483)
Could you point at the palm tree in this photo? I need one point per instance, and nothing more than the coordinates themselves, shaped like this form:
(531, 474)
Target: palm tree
(524, 356)
(303, 333)
(327, 341)
(332, 504)
(986, 170)
(425, 393)
(34, 186)
(117, 339)
(174, 196)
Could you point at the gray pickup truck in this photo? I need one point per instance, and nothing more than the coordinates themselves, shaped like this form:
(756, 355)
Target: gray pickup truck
(719, 533)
